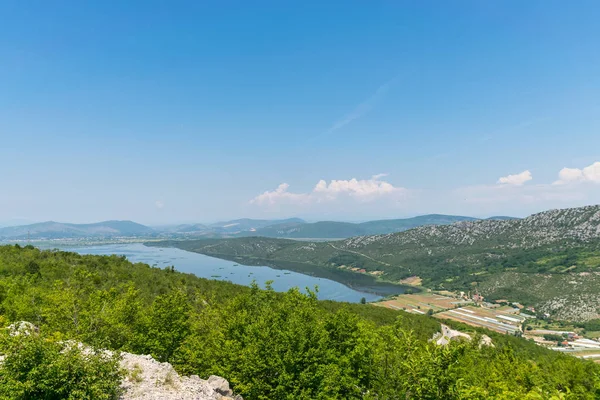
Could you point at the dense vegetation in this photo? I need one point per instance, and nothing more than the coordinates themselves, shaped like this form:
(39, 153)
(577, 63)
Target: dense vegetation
(36, 368)
(268, 345)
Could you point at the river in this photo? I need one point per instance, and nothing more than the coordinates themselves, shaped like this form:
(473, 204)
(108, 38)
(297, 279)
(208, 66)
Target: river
(214, 268)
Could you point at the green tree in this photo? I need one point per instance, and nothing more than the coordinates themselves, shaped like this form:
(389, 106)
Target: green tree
(168, 324)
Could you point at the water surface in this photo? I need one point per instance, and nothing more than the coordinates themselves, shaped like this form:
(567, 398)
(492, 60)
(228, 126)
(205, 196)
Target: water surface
(214, 268)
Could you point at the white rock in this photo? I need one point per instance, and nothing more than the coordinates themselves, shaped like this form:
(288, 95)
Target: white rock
(149, 379)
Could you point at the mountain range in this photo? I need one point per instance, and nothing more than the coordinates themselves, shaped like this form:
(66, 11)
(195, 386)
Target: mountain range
(296, 228)
(59, 230)
(338, 230)
(233, 227)
(293, 228)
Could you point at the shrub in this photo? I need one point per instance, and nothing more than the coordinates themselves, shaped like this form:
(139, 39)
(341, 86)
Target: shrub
(37, 368)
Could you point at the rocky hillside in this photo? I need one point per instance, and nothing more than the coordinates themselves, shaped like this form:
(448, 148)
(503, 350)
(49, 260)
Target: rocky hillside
(567, 225)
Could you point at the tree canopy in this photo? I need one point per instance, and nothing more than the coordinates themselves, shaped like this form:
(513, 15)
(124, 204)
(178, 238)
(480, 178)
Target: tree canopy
(269, 345)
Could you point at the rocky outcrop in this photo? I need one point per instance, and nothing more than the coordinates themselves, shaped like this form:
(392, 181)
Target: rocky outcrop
(447, 335)
(148, 379)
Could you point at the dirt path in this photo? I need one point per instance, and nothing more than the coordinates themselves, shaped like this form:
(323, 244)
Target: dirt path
(361, 254)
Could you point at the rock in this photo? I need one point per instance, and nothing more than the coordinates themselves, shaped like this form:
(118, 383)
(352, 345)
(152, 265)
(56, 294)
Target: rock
(22, 327)
(149, 379)
(220, 385)
(444, 337)
(486, 341)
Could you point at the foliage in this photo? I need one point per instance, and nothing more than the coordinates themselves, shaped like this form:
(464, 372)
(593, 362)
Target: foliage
(553, 337)
(592, 325)
(269, 345)
(37, 368)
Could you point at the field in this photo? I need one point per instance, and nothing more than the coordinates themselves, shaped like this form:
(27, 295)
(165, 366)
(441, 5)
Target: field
(412, 281)
(420, 303)
(493, 319)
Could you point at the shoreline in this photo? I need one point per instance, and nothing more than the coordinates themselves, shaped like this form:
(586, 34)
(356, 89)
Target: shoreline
(356, 281)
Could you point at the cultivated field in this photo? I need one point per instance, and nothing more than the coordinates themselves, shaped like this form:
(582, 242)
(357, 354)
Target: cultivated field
(420, 303)
(493, 319)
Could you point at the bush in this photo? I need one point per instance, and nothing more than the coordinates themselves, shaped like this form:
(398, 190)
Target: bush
(37, 368)
(553, 337)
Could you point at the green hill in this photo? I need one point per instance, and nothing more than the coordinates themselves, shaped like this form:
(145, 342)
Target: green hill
(268, 345)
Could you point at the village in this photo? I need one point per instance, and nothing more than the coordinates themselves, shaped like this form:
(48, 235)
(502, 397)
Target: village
(502, 316)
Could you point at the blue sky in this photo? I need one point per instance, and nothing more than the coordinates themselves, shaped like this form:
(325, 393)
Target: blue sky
(198, 111)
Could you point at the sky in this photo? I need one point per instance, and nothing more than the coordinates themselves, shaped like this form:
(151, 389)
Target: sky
(197, 111)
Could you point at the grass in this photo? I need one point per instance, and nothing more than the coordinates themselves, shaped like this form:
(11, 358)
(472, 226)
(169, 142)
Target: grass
(135, 375)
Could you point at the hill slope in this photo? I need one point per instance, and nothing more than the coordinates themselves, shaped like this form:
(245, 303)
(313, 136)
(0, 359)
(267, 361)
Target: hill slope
(58, 230)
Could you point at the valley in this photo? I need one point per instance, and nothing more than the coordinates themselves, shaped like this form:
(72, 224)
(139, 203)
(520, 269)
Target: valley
(549, 260)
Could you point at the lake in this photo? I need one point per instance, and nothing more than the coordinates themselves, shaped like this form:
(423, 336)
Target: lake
(214, 268)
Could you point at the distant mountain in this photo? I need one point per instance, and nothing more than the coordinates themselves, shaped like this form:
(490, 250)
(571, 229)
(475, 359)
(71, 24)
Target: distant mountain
(237, 227)
(190, 228)
(340, 230)
(296, 228)
(399, 225)
(58, 230)
(315, 230)
(246, 224)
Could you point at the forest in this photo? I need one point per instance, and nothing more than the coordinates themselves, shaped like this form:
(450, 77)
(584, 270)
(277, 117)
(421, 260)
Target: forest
(268, 345)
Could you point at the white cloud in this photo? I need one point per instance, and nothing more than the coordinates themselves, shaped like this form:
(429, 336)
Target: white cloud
(280, 195)
(516, 179)
(591, 173)
(361, 190)
(379, 176)
(159, 204)
(510, 192)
